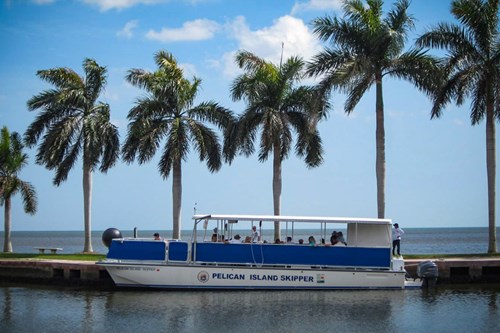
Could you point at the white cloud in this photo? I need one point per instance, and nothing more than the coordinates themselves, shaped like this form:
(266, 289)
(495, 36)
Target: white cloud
(201, 29)
(42, 2)
(105, 5)
(313, 5)
(127, 29)
(266, 43)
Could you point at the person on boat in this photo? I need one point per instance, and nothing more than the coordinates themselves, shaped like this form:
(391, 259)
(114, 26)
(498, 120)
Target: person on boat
(156, 236)
(312, 241)
(341, 238)
(301, 241)
(289, 240)
(277, 241)
(397, 232)
(334, 239)
(255, 235)
(248, 239)
(236, 239)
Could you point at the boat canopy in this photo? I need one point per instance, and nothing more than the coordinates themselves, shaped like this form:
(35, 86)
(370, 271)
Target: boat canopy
(360, 231)
(284, 218)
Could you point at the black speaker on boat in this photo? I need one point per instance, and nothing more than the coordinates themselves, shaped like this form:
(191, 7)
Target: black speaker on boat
(109, 234)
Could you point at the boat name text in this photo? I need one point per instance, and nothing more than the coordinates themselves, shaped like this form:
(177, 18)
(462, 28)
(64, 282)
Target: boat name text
(263, 277)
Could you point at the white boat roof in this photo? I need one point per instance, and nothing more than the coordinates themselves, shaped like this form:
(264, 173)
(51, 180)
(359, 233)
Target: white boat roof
(284, 218)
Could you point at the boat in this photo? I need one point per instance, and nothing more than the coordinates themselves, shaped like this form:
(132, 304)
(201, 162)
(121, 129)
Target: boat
(214, 259)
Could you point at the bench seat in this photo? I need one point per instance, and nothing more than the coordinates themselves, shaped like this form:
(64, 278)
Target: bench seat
(51, 249)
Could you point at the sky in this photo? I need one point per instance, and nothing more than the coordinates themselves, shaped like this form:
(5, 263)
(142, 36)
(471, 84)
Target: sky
(436, 169)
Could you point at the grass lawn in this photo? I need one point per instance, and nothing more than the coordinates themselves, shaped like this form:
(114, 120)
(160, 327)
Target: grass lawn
(76, 256)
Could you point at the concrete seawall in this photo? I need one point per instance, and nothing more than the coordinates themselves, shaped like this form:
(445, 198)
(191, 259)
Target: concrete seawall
(86, 273)
(59, 272)
(460, 270)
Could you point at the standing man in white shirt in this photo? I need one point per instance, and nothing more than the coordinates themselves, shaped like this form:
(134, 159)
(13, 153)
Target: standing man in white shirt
(255, 235)
(397, 232)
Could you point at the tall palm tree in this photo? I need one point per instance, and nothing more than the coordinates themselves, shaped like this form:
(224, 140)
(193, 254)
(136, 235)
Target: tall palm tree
(364, 49)
(472, 68)
(167, 113)
(277, 107)
(12, 160)
(74, 123)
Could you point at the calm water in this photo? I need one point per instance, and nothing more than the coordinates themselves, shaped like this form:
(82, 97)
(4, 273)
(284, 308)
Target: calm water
(454, 309)
(25, 308)
(415, 241)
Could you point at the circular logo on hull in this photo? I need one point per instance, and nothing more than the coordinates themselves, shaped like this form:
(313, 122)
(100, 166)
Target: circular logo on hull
(203, 276)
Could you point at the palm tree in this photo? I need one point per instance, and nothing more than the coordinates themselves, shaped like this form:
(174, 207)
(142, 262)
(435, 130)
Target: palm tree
(276, 107)
(472, 68)
(74, 123)
(12, 160)
(167, 112)
(364, 49)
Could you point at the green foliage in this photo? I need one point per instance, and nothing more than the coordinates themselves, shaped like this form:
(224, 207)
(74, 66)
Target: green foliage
(73, 122)
(364, 47)
(472, 64)
(167, 113)
(277, 107)
(12, 160)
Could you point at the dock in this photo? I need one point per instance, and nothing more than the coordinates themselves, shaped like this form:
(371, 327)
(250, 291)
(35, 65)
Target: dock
(87, 273)
(57, 272)
(461, 270)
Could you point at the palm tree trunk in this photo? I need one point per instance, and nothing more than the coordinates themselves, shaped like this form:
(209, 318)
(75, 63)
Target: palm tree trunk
(277, 188)
(380, 138)
(87, 207)
(7, 244)
(177, 199)
(491, 172)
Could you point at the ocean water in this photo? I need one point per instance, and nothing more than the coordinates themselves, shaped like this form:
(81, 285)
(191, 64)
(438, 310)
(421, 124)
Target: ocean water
(452, 309)
(415, 240)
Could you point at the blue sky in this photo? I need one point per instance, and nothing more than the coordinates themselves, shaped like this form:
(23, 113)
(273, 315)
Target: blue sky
(436, 172)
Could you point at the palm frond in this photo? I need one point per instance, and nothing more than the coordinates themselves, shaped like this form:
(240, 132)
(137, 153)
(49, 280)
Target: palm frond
(95, 79)
(207, 144)
(62, 78)
(30, 200)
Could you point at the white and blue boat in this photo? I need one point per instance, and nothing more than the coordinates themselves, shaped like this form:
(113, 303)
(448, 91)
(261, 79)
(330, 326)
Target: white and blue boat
(364, 262)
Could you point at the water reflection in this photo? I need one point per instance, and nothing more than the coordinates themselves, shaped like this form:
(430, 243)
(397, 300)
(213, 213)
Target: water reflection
(26, 309)
(257, 310)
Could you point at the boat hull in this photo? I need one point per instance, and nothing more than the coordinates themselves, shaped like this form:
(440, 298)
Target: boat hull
(228, 277)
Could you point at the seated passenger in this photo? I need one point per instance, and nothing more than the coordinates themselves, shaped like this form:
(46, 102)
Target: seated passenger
(301, 241)
(248, 239)
(236, 239)
(214, 238)
(334, 239)
(312, 241)
(289, 240)
(341, 237)
(277, 241)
